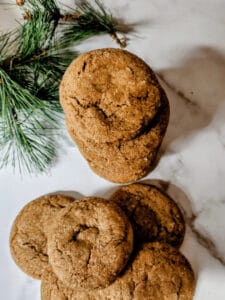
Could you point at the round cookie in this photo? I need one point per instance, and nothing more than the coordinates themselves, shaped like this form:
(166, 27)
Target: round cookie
(110, 95)
(116, 112)
(157, 272)
(90, 243)
(28, 233)
(152, 213)
(125, 161)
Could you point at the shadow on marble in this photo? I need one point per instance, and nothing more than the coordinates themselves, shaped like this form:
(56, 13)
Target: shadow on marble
(196, 91)
(107, 192)
(73, 194)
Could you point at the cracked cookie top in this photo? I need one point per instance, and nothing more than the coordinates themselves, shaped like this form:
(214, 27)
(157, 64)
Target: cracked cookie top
(28, 234)
(152, 213)
(157, 271)
(110, 95)
(90, 243)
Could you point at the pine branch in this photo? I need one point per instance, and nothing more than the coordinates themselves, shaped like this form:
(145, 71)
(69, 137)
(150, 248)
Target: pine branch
(29, 81)
(46, 9)
(79, 23)
(49, 6)
(26, 124)
(86, 21)
(33, 59)
(45, 71)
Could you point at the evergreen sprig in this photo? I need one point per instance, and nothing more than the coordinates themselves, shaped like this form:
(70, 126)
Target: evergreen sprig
(86, 21)
(33, 59)
(25, 126)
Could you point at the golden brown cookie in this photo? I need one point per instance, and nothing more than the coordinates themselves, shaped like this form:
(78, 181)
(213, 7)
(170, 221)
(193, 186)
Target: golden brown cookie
(28, 234)
(152, 213)
(90, 243)
(156, 272)
(127, 161)
(110, 94)
(116, 112)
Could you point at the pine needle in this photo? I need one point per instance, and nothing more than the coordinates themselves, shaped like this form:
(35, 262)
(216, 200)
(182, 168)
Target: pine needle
(29, 107)
(33, 59)
(88, 20)
(26, 124)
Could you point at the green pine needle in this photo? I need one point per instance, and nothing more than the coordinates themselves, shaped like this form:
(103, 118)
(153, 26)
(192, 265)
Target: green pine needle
(35, 42)
(26, 126)
(33, 59)
(43, 5)
(29, 107)
(88, 20)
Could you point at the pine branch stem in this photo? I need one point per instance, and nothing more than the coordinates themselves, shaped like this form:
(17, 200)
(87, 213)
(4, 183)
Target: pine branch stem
(120, 41)
(69, 18)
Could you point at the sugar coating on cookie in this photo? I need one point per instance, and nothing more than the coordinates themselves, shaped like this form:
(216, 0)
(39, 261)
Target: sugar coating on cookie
(157, 271)
(90, 243)
(28, 234)
(152, 213)
(110, 94)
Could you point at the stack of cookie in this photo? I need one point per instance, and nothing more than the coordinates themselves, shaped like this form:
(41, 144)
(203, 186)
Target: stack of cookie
(94, 249)
(116, 112)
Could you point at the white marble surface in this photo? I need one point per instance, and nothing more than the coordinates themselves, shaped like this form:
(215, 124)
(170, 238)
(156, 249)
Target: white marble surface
(184, 42)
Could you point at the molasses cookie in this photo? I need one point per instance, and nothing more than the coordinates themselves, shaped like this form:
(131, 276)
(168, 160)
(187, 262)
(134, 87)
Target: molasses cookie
(124, 161)
(116, 111)
(156, 272)
(152, 213)
(28, 234)
(110, 94)
(90, 243)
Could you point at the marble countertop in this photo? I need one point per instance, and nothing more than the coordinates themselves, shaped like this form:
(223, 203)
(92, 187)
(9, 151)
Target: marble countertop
(184, 42)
